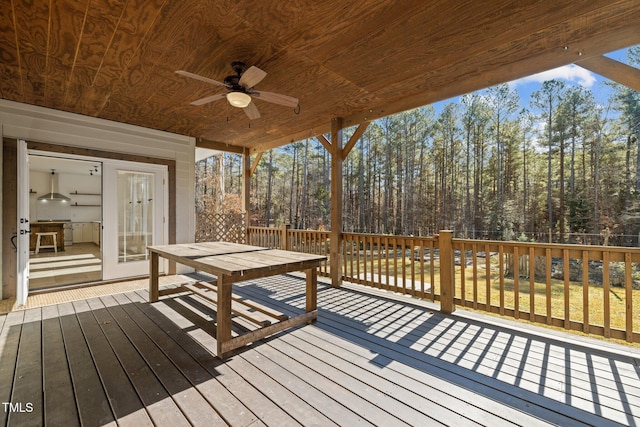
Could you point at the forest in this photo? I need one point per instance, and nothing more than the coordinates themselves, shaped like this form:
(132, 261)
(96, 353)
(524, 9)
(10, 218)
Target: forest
(563, 168)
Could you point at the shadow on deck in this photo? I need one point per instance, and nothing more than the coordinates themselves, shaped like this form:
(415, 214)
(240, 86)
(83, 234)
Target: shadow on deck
(369, 360)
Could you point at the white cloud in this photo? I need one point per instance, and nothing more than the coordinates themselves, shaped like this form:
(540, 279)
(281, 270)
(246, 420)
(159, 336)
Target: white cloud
(571, 73)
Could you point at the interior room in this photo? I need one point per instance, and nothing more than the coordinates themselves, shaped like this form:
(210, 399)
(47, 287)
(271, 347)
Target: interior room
(65, 211)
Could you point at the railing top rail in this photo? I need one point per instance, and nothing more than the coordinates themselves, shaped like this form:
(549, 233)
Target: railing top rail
(560, 246)
(297, 231)
(389, 236)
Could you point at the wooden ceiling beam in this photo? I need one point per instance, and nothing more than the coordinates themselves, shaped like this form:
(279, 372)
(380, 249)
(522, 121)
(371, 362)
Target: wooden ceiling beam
(503, 72)
(255, 164)
(613, 70)
(354, 138)
(219, 146)
(298, 136)
(324, 141)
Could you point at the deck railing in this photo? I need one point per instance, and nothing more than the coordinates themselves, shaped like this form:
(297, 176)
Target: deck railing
(593, 289)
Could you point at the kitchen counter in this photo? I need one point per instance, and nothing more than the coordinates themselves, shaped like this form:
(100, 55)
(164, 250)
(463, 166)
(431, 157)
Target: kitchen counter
(47, 226)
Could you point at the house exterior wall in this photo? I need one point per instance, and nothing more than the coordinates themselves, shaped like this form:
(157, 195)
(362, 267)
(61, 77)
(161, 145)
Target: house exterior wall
(31, 123)
(1, 217)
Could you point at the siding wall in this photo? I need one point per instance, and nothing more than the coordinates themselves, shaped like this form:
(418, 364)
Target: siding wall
(22, 121)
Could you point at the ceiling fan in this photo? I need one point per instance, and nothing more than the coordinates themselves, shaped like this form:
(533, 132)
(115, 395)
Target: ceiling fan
(240, 89)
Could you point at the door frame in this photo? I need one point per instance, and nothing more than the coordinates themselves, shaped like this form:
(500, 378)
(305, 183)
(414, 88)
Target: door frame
(22, 224)
(10, 208)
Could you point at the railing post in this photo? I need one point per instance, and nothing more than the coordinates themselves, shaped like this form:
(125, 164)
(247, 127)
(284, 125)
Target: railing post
(284, 243)
(447, 272)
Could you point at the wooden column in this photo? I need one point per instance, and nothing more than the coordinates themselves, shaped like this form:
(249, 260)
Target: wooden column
(246, 190)
(447, 272)
(284, 232)
(335, 252)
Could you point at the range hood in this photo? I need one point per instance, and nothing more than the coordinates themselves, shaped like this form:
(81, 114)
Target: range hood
(53, 195)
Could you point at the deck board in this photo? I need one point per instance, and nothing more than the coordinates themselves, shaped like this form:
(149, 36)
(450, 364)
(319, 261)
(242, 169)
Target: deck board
(9, 341)
(91, 399)
(122, 397)
(161, 408)
(484, 355)
(230, 408)
(58, 386)
(27, 382)
(368, 360)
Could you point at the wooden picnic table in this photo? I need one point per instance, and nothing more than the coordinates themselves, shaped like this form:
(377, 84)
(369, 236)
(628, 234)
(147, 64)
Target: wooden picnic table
(233, 262)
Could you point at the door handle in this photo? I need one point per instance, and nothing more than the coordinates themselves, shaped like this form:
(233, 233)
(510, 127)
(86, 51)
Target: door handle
(13, 241)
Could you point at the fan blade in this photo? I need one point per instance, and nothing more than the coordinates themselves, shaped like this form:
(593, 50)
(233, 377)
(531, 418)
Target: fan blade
(209, 99)
(252, 111)
(251, 77)
(276, 98)
(202, 79)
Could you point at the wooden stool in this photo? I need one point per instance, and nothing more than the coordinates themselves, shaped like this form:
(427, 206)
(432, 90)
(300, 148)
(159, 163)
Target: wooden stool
(39, 244)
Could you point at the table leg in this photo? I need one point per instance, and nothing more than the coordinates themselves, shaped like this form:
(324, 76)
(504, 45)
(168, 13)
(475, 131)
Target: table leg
(312, 290)
(223, 316)
(154, 264)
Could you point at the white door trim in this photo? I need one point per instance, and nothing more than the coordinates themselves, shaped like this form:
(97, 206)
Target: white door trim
(24, 227)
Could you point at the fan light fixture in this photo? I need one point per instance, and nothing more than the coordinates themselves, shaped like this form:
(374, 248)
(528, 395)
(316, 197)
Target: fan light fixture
(238, 99)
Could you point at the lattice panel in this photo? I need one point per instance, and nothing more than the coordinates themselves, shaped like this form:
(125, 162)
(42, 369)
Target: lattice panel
(226, 227)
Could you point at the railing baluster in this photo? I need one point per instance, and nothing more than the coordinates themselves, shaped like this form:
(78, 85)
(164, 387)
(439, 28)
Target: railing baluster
(386, 266)
(605, 297)
(628, 283)
(474, 259)
(365, 269)
(585, 291)
(487, 265)
(432, 270)
(516, 282)
(532, 285)
(567, 288)
(548, 284)
(372, 266)
(379, 262)
(501, 277)
(421, 254)
(403, 264)
(412, 261)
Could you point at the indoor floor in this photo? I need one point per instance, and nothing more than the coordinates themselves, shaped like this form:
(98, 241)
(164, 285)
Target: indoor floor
(79, 263)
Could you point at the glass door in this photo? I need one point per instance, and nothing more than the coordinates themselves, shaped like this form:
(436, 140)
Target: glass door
(134, 212)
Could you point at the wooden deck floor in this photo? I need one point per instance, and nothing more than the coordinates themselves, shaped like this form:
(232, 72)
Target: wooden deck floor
(118, 360)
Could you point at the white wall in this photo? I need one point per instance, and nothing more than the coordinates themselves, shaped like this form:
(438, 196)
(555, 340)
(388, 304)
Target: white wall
(32, 123)
(40, 183)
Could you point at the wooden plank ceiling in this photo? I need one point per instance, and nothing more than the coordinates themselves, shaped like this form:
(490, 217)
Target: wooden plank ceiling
(356, 59)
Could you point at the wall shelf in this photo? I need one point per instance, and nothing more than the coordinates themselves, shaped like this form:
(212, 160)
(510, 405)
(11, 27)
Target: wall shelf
(76, 193)
(76, 204)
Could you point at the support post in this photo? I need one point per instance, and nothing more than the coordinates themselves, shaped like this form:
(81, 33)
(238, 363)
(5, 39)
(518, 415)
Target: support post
(246, 191)
(447, 272)
(284, 241)
(335, 256)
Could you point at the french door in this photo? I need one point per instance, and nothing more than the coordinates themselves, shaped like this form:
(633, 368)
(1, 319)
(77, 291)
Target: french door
(24, 227)
(134, 216)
